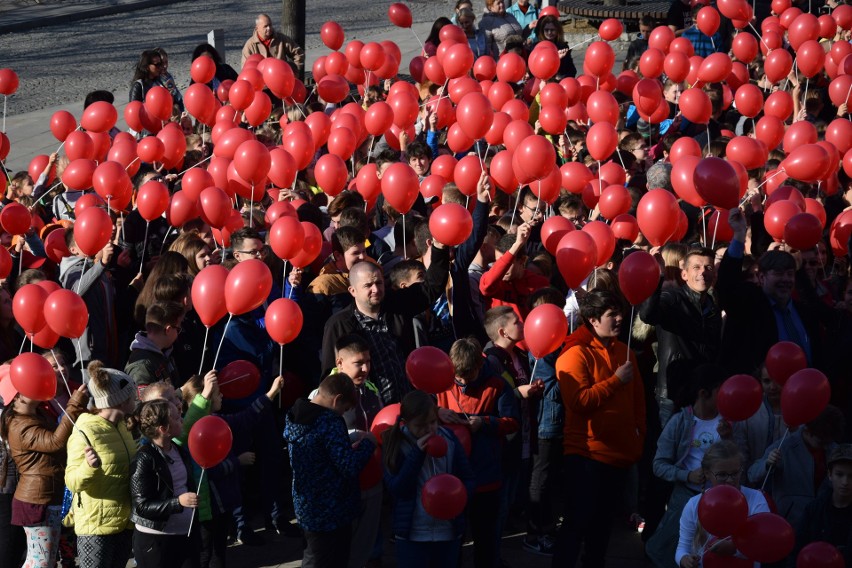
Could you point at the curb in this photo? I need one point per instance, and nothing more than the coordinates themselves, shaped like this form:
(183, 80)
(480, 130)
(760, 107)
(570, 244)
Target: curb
(36, 21)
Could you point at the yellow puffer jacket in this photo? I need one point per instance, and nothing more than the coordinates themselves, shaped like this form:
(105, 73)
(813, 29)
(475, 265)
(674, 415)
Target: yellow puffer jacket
(101, 501)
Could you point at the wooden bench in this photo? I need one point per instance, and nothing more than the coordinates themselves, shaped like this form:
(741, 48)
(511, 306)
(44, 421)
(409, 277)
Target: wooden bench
(629, 12)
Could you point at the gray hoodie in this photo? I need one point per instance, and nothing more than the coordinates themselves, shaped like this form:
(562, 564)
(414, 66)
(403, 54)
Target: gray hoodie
(100, 339)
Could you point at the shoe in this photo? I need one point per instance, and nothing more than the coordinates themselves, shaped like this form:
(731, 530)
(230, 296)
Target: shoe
(289, 530)
(249, 538)
(541, 545)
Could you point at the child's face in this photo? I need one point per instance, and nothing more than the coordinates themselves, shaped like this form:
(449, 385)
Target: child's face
(353, 254)
(840, 475)
(423, 425)
(771, 389)
(354, 364)
(420, 165)
(514, 329)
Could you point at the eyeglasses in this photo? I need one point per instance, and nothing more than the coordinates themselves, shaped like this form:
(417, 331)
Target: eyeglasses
(726, 475)
(157, 63)
(255, 253)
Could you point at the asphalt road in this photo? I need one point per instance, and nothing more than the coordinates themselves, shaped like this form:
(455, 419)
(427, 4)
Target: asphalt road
(58, 65)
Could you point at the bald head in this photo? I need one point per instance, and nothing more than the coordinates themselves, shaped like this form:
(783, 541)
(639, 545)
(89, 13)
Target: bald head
(263, 26)
(367, 286)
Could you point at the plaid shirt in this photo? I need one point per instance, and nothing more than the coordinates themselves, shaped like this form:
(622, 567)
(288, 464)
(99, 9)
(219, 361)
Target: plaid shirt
(387, 367)
(703, 44)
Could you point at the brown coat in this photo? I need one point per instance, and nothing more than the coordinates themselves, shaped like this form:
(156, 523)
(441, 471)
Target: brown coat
(281, 47)
(37, 446)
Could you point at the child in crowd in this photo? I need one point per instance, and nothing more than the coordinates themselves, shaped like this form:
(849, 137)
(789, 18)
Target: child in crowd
(422, 540)
(483, 397)
(150, 353)
(161, 486)
(326, 466)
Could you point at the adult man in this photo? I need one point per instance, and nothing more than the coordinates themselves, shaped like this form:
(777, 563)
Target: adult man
(267, 42)
(760, 316)
(385, 319)
(604, 427)
(689, 326)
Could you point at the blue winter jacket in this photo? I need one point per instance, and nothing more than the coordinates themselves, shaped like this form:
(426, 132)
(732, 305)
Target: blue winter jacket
(326, 495)
(551, 411)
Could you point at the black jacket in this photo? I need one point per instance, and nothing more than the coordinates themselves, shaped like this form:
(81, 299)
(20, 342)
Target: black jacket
(689, 332)
(399, 307)
(750, 327)
(154, 499)
(819, 523)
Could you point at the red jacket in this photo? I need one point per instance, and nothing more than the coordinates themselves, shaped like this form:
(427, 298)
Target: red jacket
(604, 419)
(513, 293)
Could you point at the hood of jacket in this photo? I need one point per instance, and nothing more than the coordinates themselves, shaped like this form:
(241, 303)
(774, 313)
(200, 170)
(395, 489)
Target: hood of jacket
(70, 263)
(304, 417)
(142, 341)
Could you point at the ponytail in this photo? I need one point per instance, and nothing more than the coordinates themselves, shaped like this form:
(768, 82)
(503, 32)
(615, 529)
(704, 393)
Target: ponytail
(414, 405)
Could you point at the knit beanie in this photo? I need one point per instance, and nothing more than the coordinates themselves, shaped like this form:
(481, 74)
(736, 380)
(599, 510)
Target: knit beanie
(109, 387)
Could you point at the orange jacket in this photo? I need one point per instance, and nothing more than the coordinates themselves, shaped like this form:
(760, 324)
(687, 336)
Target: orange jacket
(604, 419)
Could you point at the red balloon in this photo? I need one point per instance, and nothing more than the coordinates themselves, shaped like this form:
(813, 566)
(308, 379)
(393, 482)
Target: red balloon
(436, 446)
(400, 187)
(777, 216)
(638, 277)
(92, 230)
(283, 320)
(625, 227)
(602, 107)
(798, 134)
(182, 209)
(28, 308)
(15, 219)
(783, 359)
(62, 123)
(203, 69)
(450, 224)
(310, 248)
(536, 156)
(66, 313)
(332, 36)
(708, 21)
(331, 174)
(695, 105)
(575, 256)
(33, 377)
(239, 379)
(803, 231)
(716, 182)
(777, 65)
(739, 397)
(511, 68)
(602, 140)
(215, 207)
(604, 240)
(804, 396)
(715, 68)
(100, 116)
(210, 441)
(599, 58)
(429, 369)
(54, 247)
(545, 328)
(657, 215)
(820, 555)
(399, 15)
(515, 132)
(247, 286)
(765, 538)
(208, 294)
(444, 497)
(384, 420)
(474, 115)
(610, 29)
(722, 510)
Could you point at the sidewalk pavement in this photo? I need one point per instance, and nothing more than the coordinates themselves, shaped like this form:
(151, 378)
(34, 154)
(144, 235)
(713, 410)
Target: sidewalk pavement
(21, 15)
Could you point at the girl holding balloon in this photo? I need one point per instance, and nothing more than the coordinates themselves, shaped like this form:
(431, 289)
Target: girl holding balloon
(415, 450)
(160, 487)
(37, 445)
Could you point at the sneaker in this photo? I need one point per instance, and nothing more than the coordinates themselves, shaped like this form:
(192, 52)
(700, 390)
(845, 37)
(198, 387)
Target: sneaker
(249, 538)
(541, 545)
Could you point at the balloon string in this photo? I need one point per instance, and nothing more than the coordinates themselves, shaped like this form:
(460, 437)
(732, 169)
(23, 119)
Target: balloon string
(779, 172)
(79, 352)
(630, 330)
(194, 509)
(404, 247)
(515, 210)
(771, 467)
(136, 159)
(759, 36)
(203, 349)
(704, 225)
(61, 374)
(5, 98)
(31, 342)
(458, 404)
(196, 165)
(239, 378)
(370, 153)
(583, 42)
(221, 341)
(24, 342)
(715, 228)
(144, 245)
(416, 37)
(82, 273)
(284, 278)
(532, 374)
(281, 362)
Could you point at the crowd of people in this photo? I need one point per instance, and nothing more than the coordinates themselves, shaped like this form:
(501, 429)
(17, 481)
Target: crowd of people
(393, 218)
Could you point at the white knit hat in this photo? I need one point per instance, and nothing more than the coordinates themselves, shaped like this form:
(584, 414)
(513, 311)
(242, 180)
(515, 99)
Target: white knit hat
(119, 388)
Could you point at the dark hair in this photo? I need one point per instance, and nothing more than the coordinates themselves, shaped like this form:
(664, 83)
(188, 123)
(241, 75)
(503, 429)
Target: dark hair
(414, 405)
(29, 276)
(162, 314)
(466, 355)
(506, 242)
(345, 238)
(387, 156)
(98, 96)
(339, 384)
(239, 236)
(140, 73)
(190, 244)
(422, 233)
(402, 270)
(418, 149)
(170, 263)
(829, 425)
(207, 48)
(776, 260)
(548, 295)
(705, 377)
(698, 251)
(355, 217)
(543, 21)
(595, 303)
(344, 200)
(351, 342)
(434, 35)
(496, 318)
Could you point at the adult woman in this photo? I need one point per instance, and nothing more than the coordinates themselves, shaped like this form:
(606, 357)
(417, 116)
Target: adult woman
(169, 263)
(549, 29)
(194, 250)
(37, 446)
(430, 46)
(224, 72)
(146, 75)
(722, 464)
(475, 37)
(166, 79)
(99, 454)
(498, 26)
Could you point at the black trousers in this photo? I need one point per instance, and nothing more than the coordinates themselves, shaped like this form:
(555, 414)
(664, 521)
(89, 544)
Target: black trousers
(592, 493)
(546, 471)
(484, 511)
(13, 544)
(166, 551)
(214, 541)
(328, 549)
